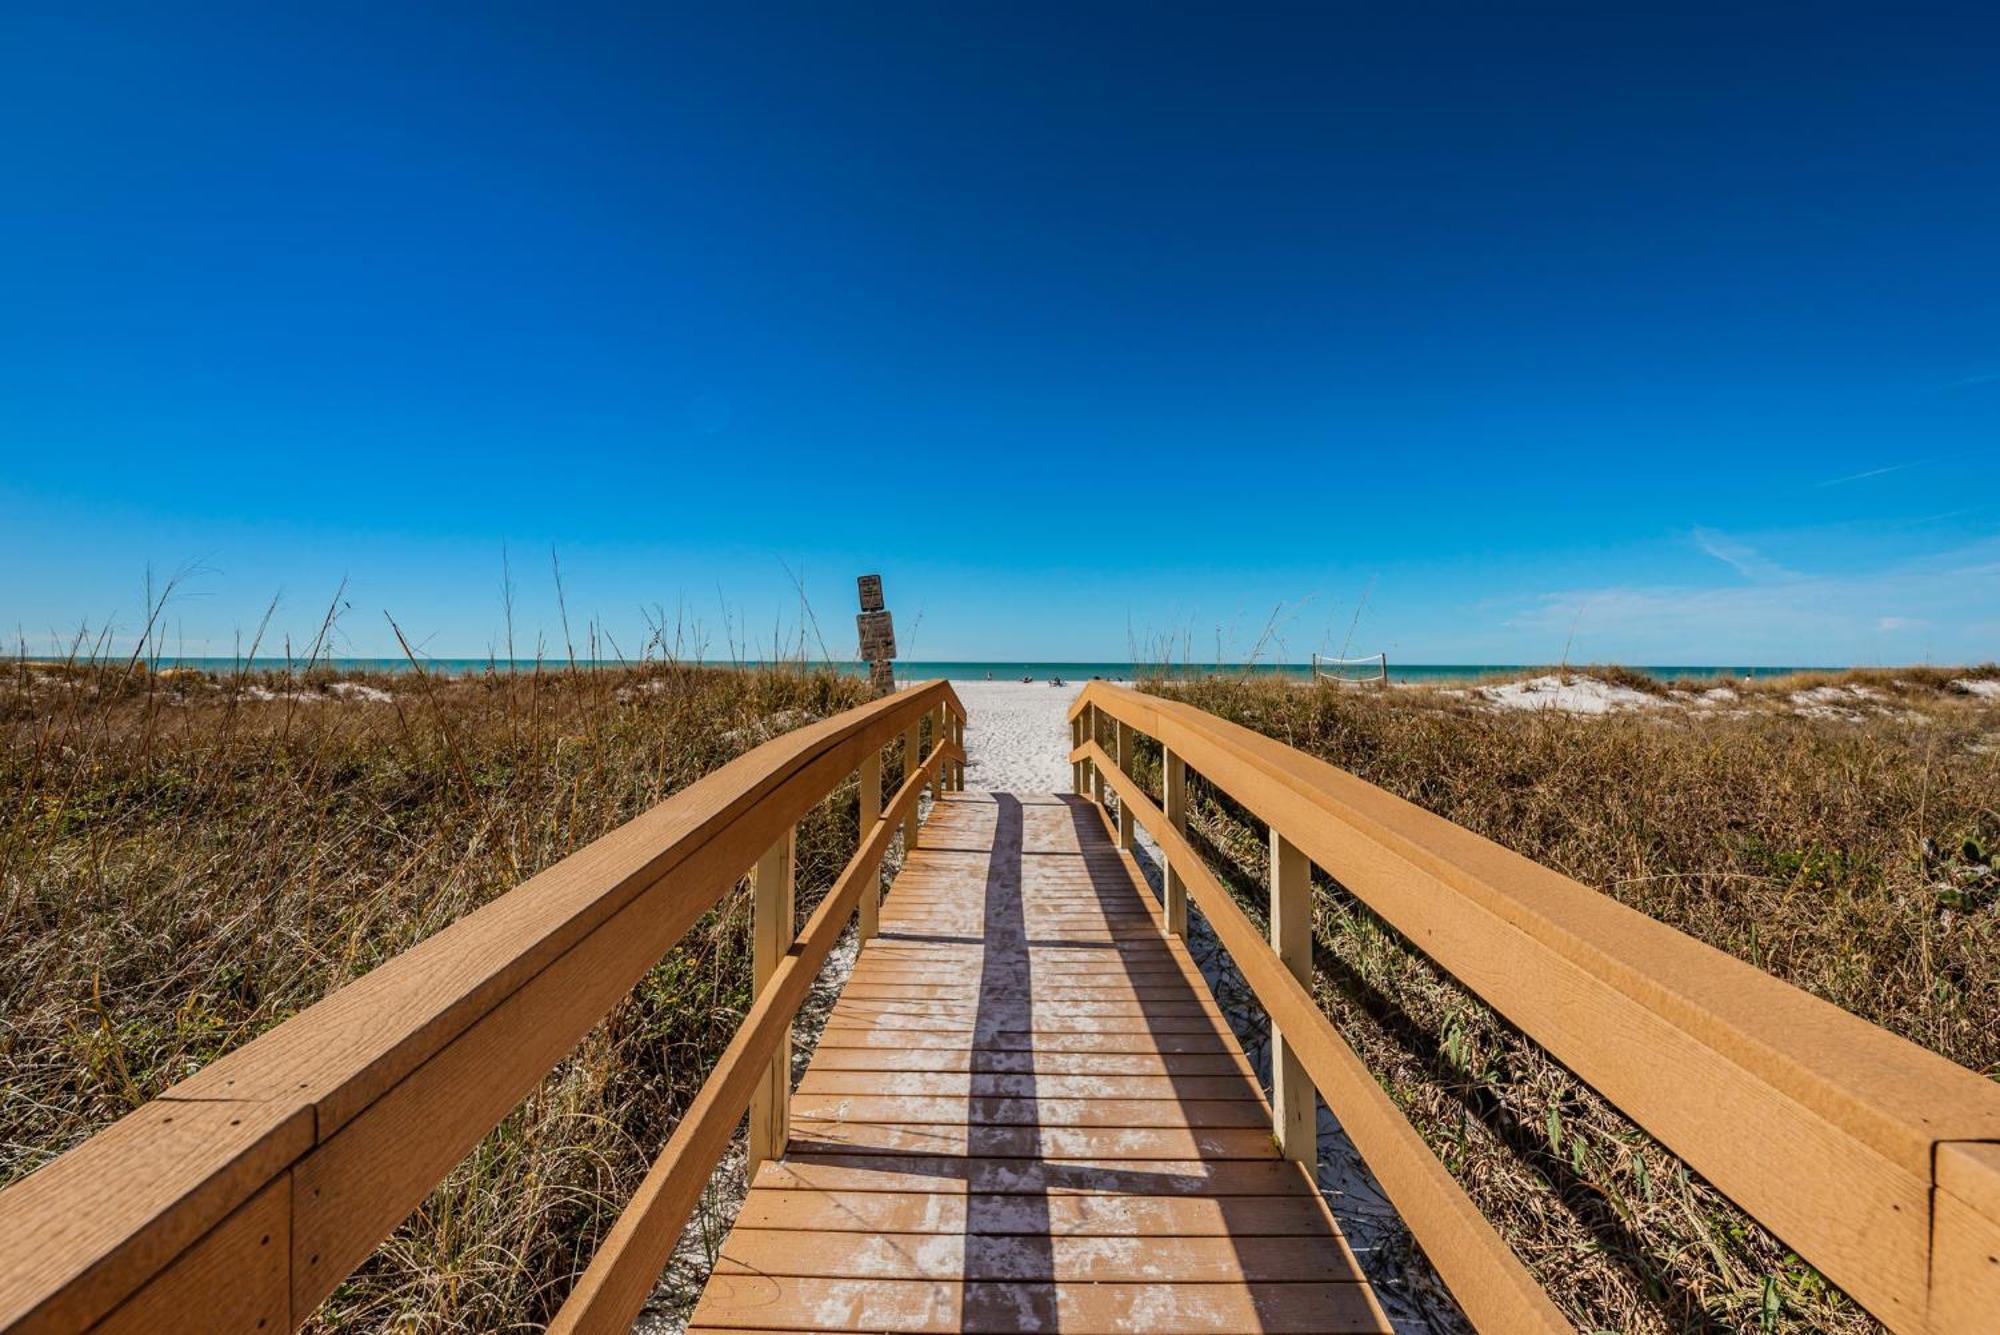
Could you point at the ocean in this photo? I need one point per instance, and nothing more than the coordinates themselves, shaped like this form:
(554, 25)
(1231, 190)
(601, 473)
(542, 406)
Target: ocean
(1011, 670)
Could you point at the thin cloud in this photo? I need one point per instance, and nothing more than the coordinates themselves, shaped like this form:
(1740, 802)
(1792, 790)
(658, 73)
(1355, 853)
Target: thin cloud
(1814, 618)
(1856, 477)
(1744, 559)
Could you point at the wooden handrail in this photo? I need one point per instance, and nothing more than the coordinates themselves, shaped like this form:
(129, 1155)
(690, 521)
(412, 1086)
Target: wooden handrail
(1870, 1156)
(245, 1193)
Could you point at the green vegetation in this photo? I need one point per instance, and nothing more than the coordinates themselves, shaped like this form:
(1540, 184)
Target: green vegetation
(1836, 830)
(187, 860)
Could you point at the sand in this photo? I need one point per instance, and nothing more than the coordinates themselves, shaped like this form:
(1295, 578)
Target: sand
(1567, 695)
(1017, 735)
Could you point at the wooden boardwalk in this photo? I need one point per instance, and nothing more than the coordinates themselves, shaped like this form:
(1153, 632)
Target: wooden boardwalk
(1026, 1113)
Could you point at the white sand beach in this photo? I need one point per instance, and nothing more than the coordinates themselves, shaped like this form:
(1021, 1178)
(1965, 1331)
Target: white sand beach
(1017, 734)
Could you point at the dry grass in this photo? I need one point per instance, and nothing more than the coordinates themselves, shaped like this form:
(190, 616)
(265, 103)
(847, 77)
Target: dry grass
(1850, 853)
(187, 860)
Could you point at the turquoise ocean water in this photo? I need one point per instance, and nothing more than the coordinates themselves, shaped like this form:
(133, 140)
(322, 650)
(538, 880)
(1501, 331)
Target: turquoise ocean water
(1013, 671)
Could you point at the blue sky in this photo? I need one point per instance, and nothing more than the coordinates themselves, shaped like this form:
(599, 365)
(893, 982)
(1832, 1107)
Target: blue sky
(1662, 338)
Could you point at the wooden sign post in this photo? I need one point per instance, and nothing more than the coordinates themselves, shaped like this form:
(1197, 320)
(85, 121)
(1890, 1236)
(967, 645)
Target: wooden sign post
(878, 635)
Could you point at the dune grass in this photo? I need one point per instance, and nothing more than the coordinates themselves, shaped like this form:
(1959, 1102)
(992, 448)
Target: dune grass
(186, 860)
(1838, 830)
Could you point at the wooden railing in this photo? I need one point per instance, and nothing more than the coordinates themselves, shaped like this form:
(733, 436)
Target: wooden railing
(241, 1197)
(1871, 1157)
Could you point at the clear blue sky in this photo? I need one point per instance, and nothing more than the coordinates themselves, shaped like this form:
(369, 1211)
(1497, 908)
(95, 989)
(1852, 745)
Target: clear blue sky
(1664, 338)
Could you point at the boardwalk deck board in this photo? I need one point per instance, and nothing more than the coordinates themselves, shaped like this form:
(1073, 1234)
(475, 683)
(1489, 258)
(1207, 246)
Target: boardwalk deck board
(1026, 1112)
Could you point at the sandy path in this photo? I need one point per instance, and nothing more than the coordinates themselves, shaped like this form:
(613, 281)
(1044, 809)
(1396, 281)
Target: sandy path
(1016, 735)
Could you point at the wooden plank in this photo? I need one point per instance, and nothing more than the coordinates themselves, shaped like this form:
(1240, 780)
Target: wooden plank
(774, 901)
(1049, 902)
(895, 954)
(1175, 797)
(930, 952)
(750, 1302)
(1026, 1085)
(1040, 1020)
(1033, 1111)
(235, 1280)
(1016, 1142)
(1051, 905)
(892, 959)
(1098, 923)
(1023, 989)
(1040, 1176)
(1129, 904)
(868, 782)
(833, 1061)
(1294, 1105)
(912, 748)
(1099, 1215)
(1096, 1259)
(1009, 1007)
(1121, 983)
(1158, 983)
(1965, 1270)
(1081, 1041)
(1076, 780)
(1123, 742)
(1088, 718)
(1049, 1032)
(89, 1231)
(1050, 1022)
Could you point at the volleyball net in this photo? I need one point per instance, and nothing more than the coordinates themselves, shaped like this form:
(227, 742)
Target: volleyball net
(1370, 670)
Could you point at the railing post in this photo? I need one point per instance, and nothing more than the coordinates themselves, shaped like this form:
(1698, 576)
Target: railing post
(1125, 768)
(771, 934)
(870, 779)
(913, 741)
(1076, 784)
(1176, 794)
(958, 766)
(1295, 1116)
(1096, 778)
(940, 782)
